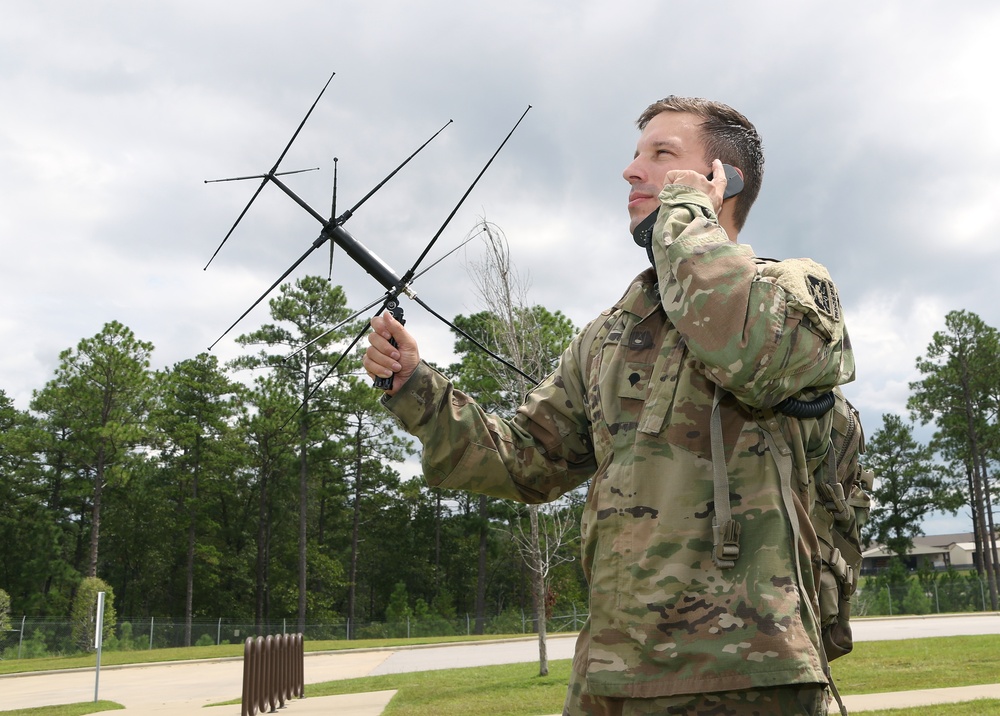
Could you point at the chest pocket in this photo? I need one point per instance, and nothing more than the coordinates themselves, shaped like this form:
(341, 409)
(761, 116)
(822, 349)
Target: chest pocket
(638, 366)
(640, 363)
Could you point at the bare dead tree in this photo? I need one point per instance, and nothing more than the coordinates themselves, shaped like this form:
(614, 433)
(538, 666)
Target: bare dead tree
(515, 331)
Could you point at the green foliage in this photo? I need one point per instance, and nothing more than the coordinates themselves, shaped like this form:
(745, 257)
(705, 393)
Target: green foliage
(896, 592)
(909, 486)
(959, 393)
(511, 621)
(4, 610)
(443, 604)
(34, 647)
(126, 640)
(399, 606)
(187, 490)
(92, 424)
(84, 615)
(954, 593)
(916, 600)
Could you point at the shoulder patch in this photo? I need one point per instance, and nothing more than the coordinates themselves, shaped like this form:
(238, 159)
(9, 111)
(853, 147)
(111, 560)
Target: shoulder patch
(808, 287)
(824, 295)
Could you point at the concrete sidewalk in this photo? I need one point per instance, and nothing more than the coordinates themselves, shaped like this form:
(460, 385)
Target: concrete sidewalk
(858, 703)
(368, 704)
(373, 704)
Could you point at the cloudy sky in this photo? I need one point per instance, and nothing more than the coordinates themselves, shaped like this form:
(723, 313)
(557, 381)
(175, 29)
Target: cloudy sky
(879, 122)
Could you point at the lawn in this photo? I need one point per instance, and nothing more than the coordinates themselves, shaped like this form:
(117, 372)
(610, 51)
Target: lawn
(89, 707)
(982, 707)
(517, 690)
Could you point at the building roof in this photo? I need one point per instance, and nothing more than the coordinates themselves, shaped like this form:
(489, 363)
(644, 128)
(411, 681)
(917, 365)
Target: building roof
(943, 540)
(880, 550)
(929, 544)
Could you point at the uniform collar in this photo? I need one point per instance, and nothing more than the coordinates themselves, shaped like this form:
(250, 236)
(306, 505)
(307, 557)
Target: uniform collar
(643, 296)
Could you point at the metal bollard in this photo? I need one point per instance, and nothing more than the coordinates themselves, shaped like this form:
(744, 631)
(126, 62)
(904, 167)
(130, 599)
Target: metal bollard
(273, 672)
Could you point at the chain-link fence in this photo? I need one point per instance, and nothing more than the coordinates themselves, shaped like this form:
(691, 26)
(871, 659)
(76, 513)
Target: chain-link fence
(961, 593)
(9, 641)
(36, 637)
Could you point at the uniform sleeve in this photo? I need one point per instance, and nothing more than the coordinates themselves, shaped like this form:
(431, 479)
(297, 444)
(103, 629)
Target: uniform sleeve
(765, 331)
(545, 451)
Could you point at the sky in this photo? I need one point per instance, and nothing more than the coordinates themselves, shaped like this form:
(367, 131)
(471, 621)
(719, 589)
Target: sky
(878, 120)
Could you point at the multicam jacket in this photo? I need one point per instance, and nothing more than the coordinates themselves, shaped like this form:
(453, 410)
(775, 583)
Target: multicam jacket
(629, 408)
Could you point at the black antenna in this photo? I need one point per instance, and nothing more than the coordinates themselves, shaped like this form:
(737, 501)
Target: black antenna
(350, 212)
(396, 286)
(333, 229)
(343, 323)
(333, 212)
(397, 310)
(465, 195)
(271, 174)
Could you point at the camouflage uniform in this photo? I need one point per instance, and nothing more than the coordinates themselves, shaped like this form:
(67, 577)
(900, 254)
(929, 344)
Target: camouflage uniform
(629, 408)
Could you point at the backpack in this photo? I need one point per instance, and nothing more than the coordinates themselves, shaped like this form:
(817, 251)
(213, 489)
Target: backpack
(843, 494)
(840, 507)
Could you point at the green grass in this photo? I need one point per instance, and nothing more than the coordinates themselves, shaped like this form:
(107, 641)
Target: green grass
(506, 690)
(980, 707)
(880, 666)
(80, 709)
(515, 689)
(117, 658)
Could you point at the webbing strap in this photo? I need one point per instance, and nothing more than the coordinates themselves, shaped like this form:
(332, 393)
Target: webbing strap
(782, 455)
(725, 530)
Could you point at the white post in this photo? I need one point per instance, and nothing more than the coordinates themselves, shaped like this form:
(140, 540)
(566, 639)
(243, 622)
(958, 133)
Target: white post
(21, 639)
(151, 633)
(218, 633)
(99, 641)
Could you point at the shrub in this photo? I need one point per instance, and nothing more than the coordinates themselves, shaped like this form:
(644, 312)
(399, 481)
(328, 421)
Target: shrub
(84, 613)
(509, 622)
(34, 647)
(4, 611)
(916, 600)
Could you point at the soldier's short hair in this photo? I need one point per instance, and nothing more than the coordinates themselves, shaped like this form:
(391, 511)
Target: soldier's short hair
(728, 136)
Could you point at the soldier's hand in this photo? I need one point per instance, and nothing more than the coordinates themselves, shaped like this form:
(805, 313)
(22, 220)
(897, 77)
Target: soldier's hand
(382, 359)
(715, 189)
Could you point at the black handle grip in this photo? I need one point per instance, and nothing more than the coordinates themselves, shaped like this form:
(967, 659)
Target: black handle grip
(397, 312)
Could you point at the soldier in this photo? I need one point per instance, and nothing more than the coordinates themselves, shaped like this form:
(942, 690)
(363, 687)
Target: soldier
(698, 605)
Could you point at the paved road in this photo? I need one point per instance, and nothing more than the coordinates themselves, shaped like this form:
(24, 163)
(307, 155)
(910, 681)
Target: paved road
(477, 654)
(921, 627)
(162, 687)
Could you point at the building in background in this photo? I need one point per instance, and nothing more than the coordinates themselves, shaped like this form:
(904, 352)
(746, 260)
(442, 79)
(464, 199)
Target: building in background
(936, 551)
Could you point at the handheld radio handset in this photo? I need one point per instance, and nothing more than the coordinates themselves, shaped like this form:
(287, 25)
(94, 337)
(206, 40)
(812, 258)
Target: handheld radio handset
(643, 233)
